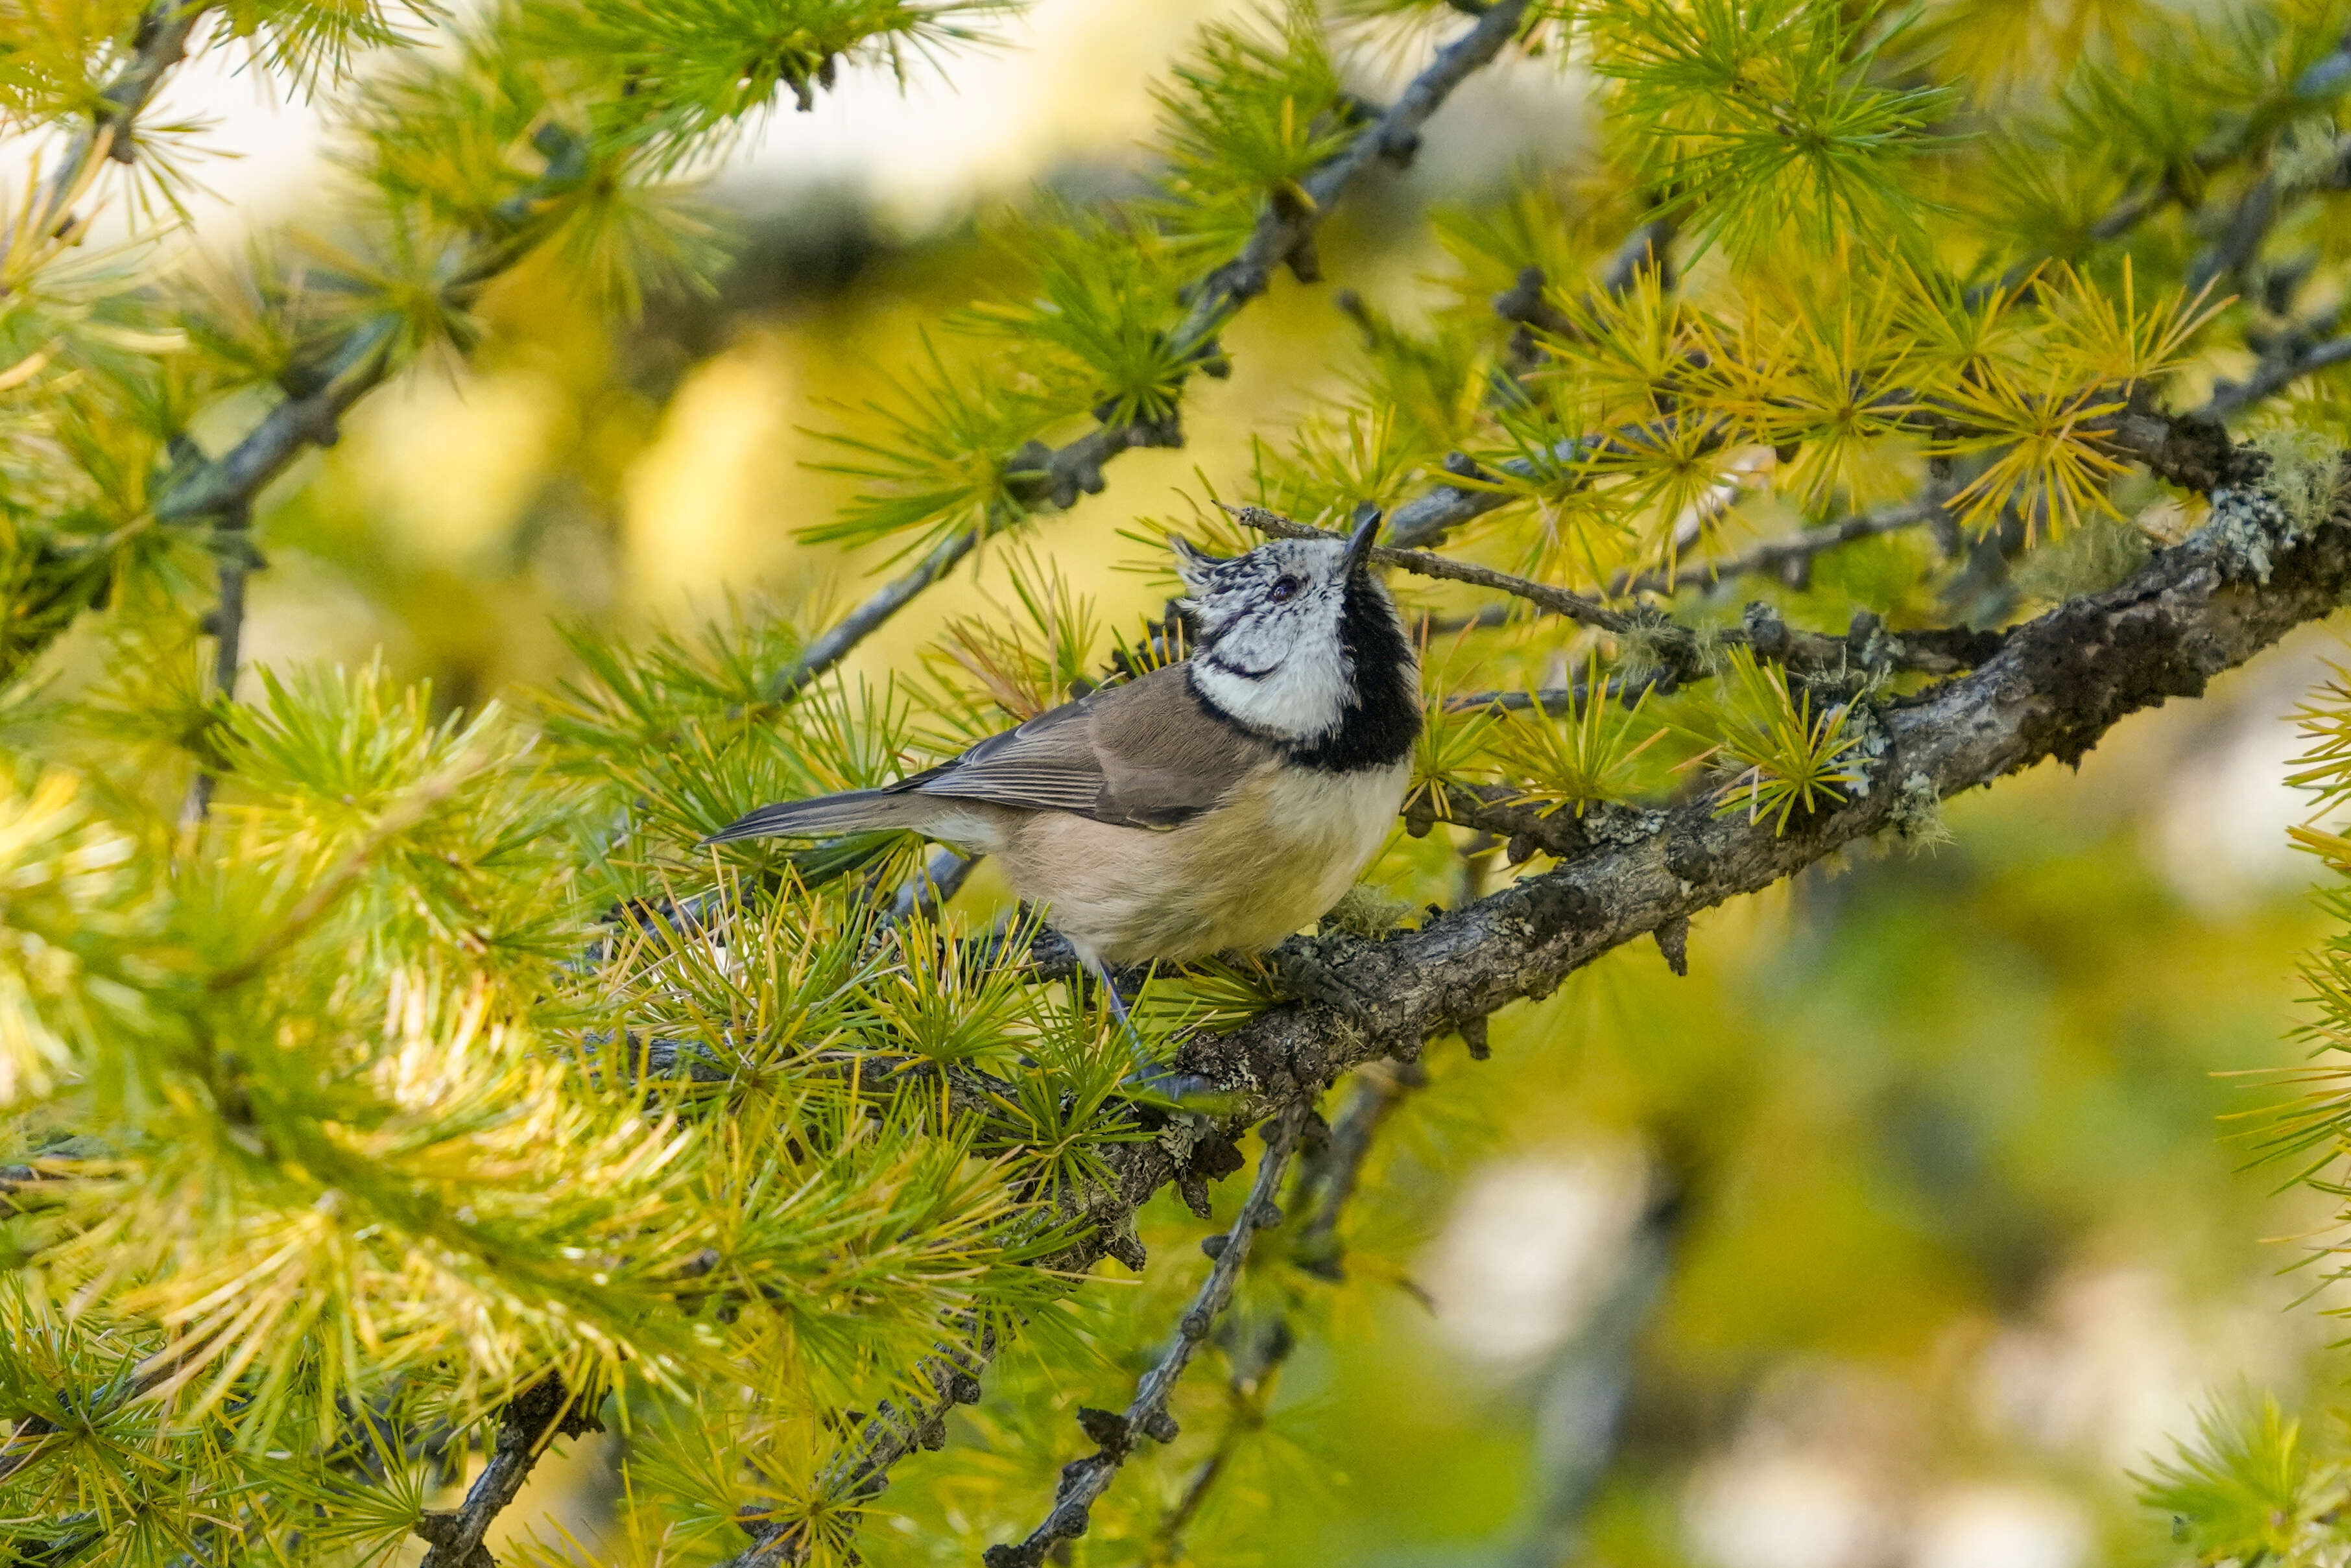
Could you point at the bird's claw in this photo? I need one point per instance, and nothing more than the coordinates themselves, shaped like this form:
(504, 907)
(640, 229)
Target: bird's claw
(1309, 980)
(1179, 1091)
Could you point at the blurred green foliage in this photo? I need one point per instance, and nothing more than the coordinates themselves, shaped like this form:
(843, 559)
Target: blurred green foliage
(434, 1059)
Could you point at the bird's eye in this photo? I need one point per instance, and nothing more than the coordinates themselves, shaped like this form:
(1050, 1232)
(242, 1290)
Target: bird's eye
(1284, 589)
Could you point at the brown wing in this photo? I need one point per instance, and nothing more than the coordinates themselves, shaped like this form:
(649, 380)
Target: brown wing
(1140, 755)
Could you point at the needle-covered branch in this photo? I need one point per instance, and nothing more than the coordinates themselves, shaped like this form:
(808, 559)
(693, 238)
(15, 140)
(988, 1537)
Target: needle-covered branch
(1284, 230)
(861, 1469)
(162, 43)
(226, 486)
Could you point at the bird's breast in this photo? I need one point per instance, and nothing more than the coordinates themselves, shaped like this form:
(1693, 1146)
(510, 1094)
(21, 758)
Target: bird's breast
(1279, 852)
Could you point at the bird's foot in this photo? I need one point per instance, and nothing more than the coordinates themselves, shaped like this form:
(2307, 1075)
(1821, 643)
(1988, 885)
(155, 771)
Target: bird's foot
(1306, 977)
(1155, 1083)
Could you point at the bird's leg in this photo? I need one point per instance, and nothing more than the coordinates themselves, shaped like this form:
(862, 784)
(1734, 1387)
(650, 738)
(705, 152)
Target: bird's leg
(1109, 983)
(1161, 1082)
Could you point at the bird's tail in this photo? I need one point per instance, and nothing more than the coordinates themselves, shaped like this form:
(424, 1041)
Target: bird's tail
(852, 811)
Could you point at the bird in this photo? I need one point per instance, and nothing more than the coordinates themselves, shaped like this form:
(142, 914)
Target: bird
(1216, 804)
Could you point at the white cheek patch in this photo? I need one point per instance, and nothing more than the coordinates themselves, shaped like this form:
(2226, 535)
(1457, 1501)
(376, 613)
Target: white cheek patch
(1299, 678)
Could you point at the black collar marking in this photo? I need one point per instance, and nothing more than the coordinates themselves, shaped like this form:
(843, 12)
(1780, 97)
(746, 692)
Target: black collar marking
(1381, 719)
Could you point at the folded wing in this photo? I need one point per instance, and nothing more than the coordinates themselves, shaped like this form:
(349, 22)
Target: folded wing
(1141, 755)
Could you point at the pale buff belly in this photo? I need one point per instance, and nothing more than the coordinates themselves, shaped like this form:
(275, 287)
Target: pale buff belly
(1281, 853)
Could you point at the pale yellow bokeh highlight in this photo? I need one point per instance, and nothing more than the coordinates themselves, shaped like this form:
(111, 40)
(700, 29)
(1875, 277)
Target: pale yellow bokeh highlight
(697, 496)
(455, 461)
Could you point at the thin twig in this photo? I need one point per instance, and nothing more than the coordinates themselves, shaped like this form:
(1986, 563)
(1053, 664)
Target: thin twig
(1677, 647)
(1327, 1180)
(1781, 557)
(1283, 234)
(1084, 1480)
(2275, 372)
(2259, 206)
(1647, 249)
(162, 43)
(226, 625)
(1426, 563)
(859, 1471)
(533, 1419)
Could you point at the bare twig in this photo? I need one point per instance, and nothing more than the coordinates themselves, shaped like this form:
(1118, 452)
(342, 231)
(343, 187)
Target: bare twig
(1257, 1350)
(1283, 234)
(226, 624)
(1327, 1184)
(1779, 558)
(1649, 248)
(1084, 1480)
(1426, 563)
(2293, 358)
(2258, 207)
(1676, 646)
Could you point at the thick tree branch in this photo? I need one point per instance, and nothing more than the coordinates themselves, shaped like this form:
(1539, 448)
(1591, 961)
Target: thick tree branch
(2051, 688)
(1284, 233)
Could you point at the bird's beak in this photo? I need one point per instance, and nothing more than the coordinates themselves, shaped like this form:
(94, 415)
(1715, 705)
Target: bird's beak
(1359, 543)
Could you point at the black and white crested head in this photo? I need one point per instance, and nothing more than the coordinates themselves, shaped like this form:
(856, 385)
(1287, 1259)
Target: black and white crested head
(1297, 640)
